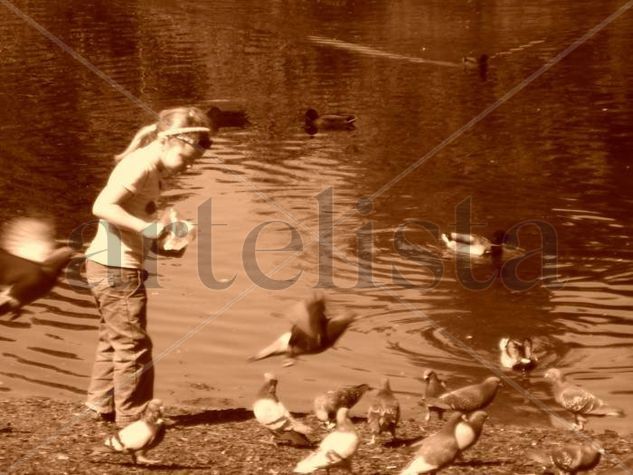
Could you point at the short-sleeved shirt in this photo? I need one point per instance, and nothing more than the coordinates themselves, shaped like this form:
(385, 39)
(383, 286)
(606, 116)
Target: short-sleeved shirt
(116, 246)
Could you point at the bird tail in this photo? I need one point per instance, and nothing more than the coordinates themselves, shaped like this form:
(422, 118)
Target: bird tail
(277, 347)
(539, 456)
(608, 411)
(311, 463)
(437, 403)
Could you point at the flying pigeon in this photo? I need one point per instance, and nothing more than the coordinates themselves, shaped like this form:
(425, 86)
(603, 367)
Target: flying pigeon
(273, 415)
(30, 263)
(434, 387)
(383, 414)
(326, 405)
(517, 355)
(141, 435)
(577, 400)
(436, 451)
(468, 398)
(570, 459)
(336, 449)
(312, 332)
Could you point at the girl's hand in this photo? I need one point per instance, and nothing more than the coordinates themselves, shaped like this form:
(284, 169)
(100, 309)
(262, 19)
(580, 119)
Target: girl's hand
(155, 230)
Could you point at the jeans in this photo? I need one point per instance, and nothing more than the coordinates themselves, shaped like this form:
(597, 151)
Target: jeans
(122, 379)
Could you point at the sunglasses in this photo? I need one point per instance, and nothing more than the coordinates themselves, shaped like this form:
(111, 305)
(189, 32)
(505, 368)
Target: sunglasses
(204, 142)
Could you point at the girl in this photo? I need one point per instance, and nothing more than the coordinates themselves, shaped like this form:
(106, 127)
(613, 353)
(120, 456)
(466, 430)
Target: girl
(122, 379)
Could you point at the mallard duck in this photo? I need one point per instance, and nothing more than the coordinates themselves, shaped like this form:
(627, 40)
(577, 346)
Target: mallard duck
(577, 400)
(227, 118)
(517, 355)
(273, 415)
(329, 121)
(30, 263)
(313, 332)
(473, 244)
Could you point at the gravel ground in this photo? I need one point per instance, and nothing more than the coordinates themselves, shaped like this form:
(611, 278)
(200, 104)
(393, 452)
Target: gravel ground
(40, 435)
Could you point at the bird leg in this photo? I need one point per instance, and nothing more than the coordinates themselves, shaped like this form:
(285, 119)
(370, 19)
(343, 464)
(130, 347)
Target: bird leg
(373, 440)
(288, 362)
(141, 458)
(580, 421)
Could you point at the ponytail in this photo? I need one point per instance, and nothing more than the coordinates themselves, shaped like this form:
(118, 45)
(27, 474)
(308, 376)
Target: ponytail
(141, 138)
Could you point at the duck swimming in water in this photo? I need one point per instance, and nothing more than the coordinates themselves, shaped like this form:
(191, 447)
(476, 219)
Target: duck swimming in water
(517, 355)
(315, 122)
(30, 263)
(473, 244)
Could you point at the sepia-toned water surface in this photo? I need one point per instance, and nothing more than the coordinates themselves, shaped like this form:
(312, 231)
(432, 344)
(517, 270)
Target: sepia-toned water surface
(436, 146)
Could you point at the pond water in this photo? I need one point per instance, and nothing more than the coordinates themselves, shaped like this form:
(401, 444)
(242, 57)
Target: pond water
(544, 152)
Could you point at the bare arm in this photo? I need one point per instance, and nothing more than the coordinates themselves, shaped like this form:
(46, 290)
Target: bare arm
(107, 206)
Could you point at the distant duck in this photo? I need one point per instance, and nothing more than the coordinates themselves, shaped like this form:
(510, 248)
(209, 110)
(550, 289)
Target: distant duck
(383, 414)
(433, 387)
(142, 435)
(568, 459)
(314, 121)
(517, 355)
(326, 405)
(30, 263)
(312, 332)
(335, 450)
(578, 401)
(472, 62)
(227, 118)
(273, 415)
(473, 244)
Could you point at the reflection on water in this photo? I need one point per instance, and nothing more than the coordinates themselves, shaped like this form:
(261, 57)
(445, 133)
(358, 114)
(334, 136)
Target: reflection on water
(557, 153)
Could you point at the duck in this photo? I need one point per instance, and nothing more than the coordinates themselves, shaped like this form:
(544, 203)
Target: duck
(314, 121)
(517, 355)
(227, 118)
(142, 435)
(383, 413)
(312, 332)
(578, 401)
(475, 245)
(273, 415)
(326, 405)
(479, 63)
(335, 450)
(30, 263)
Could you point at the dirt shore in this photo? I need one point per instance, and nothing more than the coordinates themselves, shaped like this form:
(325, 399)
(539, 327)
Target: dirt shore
(39, 435)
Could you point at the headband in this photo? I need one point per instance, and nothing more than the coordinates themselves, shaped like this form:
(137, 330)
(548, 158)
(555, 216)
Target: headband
(183, 130)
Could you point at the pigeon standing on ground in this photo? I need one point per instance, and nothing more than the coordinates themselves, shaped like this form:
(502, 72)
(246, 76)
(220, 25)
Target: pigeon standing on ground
(336, 449)
(433, 388)
(30, 263)
(273, 415)
(436, 451)
(468, 398)
(468, 430)
(326, 405)
(141, 435)
(577, 400)
(517, 355)
(570, 459)
(312, 332)
(383, 414)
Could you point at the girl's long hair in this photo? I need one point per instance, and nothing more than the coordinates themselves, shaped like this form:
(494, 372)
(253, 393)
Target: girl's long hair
(167, 119)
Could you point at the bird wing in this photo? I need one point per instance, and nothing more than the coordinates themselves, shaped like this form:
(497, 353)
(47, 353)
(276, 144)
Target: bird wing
(335, 448)
(309, 316)
(467, 398)
(271, 414)
(158, 436)
(439, 449)
(137, 435)
(566, 458)
(350, 395)
(336, 327)
(578, 400)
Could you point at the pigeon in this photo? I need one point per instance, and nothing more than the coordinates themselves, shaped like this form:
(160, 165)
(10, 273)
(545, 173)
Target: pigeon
(312, 332)
(30, 263)
(468, 430)
(141, 435)
(577, 400)
(473, 244)
(468, 398)
(572, 458)
(434, 387)
(335, 450)
(227, 118)
(315, 122)
(383, 414)
(273, 415)
(436, 451)
(517, 355)
(326, 405)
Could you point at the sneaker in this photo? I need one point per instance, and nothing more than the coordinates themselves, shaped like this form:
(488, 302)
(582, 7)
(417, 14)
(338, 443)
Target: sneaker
(107, 417)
